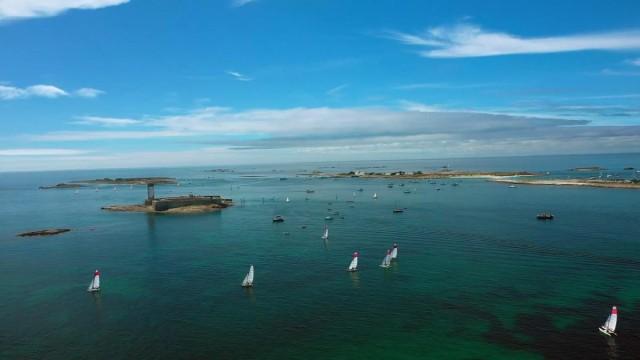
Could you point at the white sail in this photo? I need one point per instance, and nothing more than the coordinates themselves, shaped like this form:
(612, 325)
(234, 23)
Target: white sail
(354, 264)
(287, 199)
(375, 195)
(612, 320)
(248, 279)
(95, 282)
(325, 235)
(386, 262)
(394, 252)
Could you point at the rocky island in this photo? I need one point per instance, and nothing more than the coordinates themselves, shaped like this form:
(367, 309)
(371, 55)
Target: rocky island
(62, 186)
(44, 232)
(129, 181)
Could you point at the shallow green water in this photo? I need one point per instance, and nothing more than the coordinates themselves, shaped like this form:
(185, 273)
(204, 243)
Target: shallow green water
(477, 276)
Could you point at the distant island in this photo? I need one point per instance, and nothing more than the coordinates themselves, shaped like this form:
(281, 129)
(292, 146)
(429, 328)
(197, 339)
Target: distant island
(129, 181)
(588, 169)
(45, 232)
(62, 186)
(442, 174)
(609, 183)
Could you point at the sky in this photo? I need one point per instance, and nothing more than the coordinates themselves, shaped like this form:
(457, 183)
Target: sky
(142, 83)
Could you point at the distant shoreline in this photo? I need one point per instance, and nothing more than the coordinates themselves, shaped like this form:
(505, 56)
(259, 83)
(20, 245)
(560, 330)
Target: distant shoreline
(614, 184)
(444, 174)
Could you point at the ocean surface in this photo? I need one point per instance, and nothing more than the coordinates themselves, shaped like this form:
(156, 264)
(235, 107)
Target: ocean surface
(477, 276)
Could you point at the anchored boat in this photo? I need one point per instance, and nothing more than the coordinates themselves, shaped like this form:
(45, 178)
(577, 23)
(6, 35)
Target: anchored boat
(394, 252)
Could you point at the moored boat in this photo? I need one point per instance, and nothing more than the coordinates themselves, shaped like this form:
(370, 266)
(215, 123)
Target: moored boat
(394, 252)
(278, 218)
(544, 216)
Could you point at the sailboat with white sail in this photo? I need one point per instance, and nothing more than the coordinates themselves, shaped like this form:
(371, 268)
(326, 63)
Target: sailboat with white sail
(375, 195)
(353, 266)
(386, 262)
(248, 279)
(287, 199)
(394, 252)
(325, 234)
(609, 326)
(95, 282)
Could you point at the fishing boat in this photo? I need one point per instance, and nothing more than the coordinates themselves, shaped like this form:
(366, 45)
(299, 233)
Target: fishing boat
(278, 218)
(325, 234)
(386, 262)
(609, 326)
(353, 266)
(95, 282)
(287, 199)
(248, 279)
(394, 252)
(375, 195)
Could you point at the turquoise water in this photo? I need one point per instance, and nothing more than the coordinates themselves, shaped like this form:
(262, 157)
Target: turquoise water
(477, 276)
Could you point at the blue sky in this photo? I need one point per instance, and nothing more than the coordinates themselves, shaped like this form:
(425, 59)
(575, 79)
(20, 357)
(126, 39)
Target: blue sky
(116, 83)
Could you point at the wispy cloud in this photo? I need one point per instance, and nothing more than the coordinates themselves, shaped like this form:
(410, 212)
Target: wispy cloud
(337, 90)
(105, 121)
(8, 92)
(238, 76)
(40, 152)
(634, 62)
(614, 72)
(88, 92)
(23, 9)
(47, 91)
(417, 86)
(239, 3)
(466, 40)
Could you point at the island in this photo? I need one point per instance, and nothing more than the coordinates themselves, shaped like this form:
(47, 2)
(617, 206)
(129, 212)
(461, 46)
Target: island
(588, 169)
(441, 174)
(62, 186)
(609, 183)
(45, 232)
(129, 181)
(189, 204)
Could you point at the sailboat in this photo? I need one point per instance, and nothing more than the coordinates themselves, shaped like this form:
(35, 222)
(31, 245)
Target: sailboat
(287, 199)
(394, 252)
(375, 195)
(248, 279)
(325, 235)
(609, 326)
(354, 262)
(95, 282)
(386, 262)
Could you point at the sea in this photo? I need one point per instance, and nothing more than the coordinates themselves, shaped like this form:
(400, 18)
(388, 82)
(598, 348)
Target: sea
(477, 275)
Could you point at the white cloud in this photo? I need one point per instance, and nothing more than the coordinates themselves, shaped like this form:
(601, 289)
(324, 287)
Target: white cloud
(239, 3)
(88, 92)
(634, 62)
(238, 76)
(336, 90)
(465, 40)
(48, 91)
(22, 9)
(613, 72)
(106, 121)
(40, 152)
(8, 92)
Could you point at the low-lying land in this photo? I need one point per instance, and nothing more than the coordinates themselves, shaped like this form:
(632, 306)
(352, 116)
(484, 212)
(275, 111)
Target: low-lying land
(129, 181)
(44, 232)
(443, 174)
(188, 209)
(620, 184)
(62, 186)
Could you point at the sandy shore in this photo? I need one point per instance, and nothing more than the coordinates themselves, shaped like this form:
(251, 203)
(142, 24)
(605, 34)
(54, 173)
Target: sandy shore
(571, 182)
(438, 175)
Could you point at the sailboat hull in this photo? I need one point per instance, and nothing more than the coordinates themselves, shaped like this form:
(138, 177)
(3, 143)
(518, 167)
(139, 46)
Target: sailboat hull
(93, 290)
(606, 331)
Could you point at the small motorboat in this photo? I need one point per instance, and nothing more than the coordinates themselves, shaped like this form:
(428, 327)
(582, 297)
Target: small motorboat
(390, 186)
(512, 186)
(328, 217)
(398, 210)
(278, 218)
(309, 191)
(361, 190)
(544, 216)
(407, 191)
